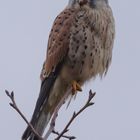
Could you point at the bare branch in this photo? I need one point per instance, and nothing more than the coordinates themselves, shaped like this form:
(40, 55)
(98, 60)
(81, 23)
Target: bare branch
(88, 103)
(64, 136)
(14, 105)
(52, 125)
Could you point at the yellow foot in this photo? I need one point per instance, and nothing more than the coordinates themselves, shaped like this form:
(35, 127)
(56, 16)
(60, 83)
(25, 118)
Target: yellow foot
(75, 87)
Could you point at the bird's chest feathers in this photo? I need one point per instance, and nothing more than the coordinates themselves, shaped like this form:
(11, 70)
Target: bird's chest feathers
(86, 46)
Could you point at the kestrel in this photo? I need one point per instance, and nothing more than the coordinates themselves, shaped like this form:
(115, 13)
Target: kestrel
(79, 48)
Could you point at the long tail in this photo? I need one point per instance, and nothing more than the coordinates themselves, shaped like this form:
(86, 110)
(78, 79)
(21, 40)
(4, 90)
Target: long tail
(42, 112)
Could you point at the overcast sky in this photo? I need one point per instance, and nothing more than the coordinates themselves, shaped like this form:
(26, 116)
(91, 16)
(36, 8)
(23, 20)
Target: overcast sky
(24, 30)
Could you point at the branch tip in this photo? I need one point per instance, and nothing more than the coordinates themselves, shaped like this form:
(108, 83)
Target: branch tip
(90, 104)
(11, 104)
(7, 92)
(12, 95)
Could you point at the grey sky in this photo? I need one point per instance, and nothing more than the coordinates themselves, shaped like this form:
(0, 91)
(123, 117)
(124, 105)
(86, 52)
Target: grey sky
(24, 29)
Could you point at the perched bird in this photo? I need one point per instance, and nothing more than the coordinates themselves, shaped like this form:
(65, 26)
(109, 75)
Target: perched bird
(79, 48)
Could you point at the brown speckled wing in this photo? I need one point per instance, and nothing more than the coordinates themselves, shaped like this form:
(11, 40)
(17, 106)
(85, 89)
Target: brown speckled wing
(59, 39)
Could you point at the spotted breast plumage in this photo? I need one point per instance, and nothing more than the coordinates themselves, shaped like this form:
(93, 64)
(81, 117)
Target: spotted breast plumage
(79, 48)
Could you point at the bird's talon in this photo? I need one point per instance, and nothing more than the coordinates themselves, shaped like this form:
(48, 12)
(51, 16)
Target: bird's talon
(76, 87)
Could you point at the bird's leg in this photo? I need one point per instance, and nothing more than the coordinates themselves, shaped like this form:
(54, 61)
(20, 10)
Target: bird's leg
(76, 87)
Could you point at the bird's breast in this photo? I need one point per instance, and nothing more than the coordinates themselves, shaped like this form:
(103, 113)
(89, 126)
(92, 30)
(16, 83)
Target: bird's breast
(88, 55)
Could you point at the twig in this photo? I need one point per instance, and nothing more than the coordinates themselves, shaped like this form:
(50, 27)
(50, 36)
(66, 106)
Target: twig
(14, 105)
(64, 136)
(88, 103)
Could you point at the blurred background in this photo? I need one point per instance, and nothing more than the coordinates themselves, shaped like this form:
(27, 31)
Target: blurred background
(24, 30)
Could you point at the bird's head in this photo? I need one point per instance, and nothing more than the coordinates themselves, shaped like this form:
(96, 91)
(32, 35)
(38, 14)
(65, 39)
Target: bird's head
(91, 3)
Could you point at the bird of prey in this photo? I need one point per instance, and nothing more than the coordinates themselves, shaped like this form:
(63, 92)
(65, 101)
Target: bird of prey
(79, 48)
